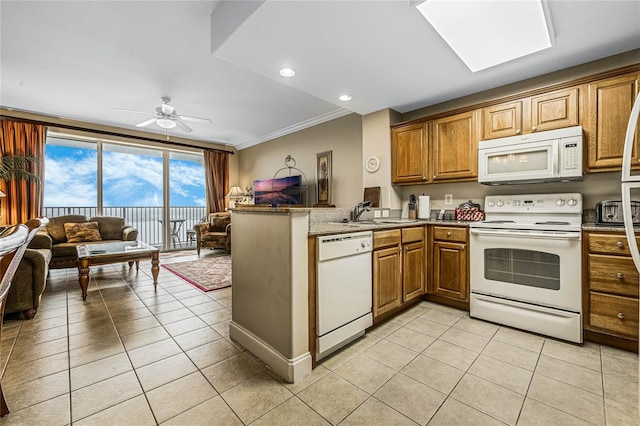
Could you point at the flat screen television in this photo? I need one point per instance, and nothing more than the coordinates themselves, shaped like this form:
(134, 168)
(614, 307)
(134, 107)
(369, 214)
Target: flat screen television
(278, 191)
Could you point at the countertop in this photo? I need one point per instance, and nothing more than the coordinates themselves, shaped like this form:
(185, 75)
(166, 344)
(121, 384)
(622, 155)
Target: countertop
(327, 228)
(609, 228)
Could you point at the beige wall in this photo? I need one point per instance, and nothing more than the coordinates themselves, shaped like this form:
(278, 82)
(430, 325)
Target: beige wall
(342, 136)
(376, 142)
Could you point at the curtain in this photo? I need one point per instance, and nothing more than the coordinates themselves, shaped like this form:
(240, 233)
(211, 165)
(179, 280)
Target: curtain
(24, 199)
(216, 170)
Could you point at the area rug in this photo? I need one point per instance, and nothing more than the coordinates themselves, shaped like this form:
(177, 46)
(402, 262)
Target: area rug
(208, 273)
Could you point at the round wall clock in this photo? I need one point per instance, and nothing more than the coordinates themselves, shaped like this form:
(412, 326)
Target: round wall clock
(373, 164)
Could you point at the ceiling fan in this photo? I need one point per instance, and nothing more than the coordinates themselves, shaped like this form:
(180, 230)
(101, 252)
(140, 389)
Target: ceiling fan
(167, 117)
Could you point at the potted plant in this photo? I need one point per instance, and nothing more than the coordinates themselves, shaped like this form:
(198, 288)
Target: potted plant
(16, 167)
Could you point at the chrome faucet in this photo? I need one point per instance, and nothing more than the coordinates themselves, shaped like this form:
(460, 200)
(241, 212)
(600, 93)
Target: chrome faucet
(362, 207)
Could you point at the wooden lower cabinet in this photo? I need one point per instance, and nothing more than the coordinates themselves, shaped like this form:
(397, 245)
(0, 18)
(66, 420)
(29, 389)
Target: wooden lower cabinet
(387, 284)
(610, 291)
(398, 268)
(450, 265)
(450, 270)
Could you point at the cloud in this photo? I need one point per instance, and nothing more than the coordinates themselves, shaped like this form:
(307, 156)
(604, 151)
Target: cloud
(128, 179)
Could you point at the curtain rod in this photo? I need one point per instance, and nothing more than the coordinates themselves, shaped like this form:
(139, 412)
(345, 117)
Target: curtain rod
(107, 133)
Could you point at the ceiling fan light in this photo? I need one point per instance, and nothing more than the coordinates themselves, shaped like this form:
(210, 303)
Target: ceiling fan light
(286, 72)
(166, 123)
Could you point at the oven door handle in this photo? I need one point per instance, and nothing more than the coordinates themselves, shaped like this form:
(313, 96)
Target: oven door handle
(527, 234)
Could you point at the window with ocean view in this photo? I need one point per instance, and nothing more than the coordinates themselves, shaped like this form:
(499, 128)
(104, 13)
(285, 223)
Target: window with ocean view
(159, 191)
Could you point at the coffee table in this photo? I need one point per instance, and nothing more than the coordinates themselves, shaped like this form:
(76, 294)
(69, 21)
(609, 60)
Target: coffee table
(116, 252)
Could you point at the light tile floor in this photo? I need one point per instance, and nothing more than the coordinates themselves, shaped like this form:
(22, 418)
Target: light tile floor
(129, 355)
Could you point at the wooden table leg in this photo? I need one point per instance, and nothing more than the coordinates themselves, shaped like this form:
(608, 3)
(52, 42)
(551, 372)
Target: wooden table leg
(137, 265)
(4, 410)
(83, 270)
(155, 268)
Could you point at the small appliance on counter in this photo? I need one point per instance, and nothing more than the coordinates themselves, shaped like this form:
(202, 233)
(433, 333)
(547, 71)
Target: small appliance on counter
(610, 213)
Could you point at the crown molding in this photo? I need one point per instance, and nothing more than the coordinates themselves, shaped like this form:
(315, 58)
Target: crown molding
(331, 115)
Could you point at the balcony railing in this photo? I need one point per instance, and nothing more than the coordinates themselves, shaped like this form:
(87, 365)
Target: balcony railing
(146, 219)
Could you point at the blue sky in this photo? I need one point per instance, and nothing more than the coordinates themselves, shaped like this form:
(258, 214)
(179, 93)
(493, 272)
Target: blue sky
(128, 179)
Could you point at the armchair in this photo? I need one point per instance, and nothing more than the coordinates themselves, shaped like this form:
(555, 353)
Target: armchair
(215, 232)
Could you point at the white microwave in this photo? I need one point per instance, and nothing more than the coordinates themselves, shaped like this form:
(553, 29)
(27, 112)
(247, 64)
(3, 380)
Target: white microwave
(551, 156)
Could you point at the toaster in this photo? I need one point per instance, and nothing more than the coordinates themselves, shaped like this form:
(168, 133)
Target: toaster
(610, 213)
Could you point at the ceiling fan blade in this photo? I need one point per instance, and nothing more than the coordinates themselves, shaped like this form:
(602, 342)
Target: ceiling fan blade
(146, 123)
(183, 126)
(133, 110)
(194, 119)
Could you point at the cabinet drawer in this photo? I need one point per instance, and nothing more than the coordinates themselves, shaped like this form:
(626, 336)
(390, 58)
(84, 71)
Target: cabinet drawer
(412, 234)
(613, 274)
(609, 244)
(386, 238)
(446, 233)
(614, 313)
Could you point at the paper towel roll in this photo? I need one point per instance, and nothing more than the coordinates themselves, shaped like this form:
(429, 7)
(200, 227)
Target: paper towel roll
(424, 207)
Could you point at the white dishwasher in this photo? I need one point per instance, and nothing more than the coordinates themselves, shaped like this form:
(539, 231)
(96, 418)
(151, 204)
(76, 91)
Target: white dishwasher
(344, 294)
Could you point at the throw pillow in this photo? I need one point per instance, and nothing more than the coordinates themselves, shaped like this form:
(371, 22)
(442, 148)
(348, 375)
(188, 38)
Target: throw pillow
(82, 232)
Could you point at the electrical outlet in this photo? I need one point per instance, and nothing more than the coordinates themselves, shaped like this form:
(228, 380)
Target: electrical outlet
(385, 213)
(448, 199)
(377, 214)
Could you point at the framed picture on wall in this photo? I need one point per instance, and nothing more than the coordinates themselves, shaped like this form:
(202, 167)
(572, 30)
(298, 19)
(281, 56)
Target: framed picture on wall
(323, 178)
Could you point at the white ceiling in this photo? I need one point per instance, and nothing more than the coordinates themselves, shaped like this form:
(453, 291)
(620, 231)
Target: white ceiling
(83, 59)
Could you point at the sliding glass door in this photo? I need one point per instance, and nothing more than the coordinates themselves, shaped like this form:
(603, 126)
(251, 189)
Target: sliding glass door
(160, 191)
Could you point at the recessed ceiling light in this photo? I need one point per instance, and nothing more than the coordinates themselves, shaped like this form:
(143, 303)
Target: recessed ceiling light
(472, 31)
(286, 72)
(345, 98)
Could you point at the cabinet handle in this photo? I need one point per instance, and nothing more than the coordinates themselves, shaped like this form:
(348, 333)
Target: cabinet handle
(619, 244)
(620, 275)
(448, 233)
(462, 247)
(620, 315)
(424, 178)
(518, 132)
(534, 128)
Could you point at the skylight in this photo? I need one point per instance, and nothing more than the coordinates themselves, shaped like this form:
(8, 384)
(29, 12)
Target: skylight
(485, 33)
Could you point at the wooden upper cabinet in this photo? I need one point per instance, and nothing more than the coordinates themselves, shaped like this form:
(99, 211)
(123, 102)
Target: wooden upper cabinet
(499, 121)
(409, 161)
(553, 110)
(609, 106)
(455, 147)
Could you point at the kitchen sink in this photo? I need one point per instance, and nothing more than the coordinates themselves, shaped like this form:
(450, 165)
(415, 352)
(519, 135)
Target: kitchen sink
(396, 220)
(356, 224)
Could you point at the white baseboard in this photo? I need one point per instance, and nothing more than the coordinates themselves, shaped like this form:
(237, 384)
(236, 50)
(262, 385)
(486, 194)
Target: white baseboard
(291, 370)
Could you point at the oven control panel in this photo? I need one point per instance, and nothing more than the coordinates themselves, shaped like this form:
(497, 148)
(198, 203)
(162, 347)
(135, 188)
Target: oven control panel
(541, 203)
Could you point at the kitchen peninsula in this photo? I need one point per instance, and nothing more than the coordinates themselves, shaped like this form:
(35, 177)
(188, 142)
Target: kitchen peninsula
(274, 292)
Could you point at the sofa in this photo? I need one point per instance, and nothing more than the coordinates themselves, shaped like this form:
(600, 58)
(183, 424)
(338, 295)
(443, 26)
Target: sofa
(51, 249)
(63, 250)
(30, 278)
(215, 232)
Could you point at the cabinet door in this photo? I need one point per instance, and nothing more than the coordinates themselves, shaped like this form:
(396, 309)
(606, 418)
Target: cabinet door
(455, 147)
(554, 110)
(502, 120)
(450, 270)
(387, 285)
(409, 154)
(413, 270)
(609, 106)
